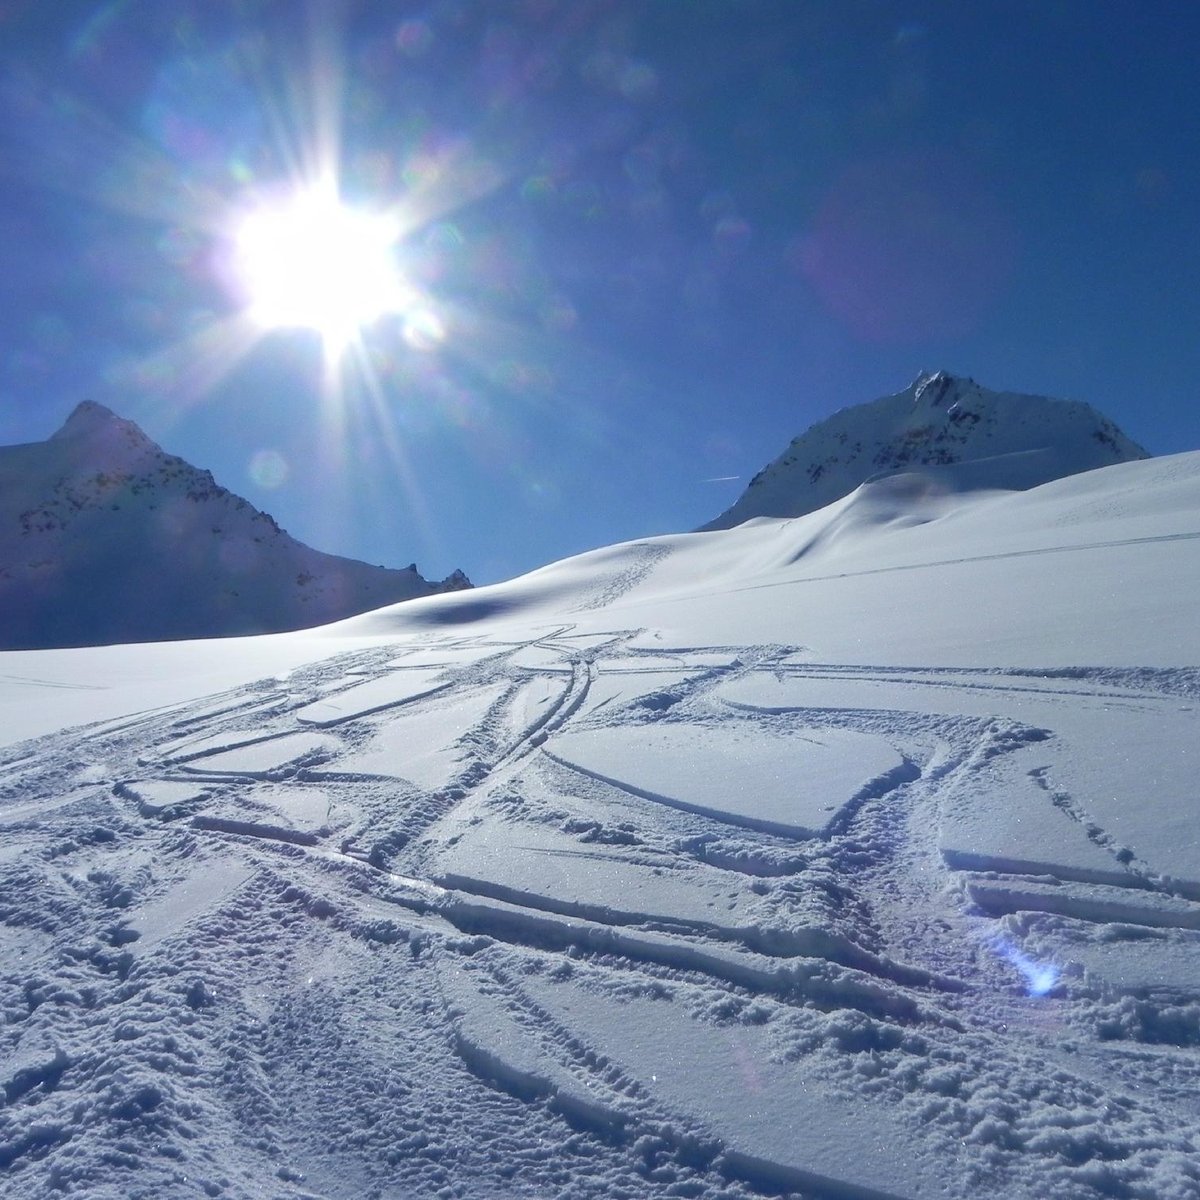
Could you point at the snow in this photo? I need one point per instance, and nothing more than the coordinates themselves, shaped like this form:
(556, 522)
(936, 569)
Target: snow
(52, 689)
(546, 868)
(809, 1136)
(851, 854)
(398, 687)
(794, 785)
(423, 747)
(186, 899)
(261, 757)
(1084, 765)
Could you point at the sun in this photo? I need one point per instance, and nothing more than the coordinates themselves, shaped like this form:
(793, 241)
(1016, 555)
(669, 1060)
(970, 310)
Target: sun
(307, 260)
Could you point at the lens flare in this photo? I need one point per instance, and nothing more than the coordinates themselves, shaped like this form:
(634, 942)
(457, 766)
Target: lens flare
(423, 329)
(269, 469)
(1040, 978)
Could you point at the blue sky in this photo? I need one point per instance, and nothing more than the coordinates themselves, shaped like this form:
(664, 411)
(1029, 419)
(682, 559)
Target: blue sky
(657, 239)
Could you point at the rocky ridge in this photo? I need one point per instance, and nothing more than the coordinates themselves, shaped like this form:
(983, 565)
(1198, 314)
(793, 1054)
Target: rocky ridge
(105, 537)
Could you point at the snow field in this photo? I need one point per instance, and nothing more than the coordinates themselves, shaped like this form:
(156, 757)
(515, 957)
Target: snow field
(640, 881)
(623, 955)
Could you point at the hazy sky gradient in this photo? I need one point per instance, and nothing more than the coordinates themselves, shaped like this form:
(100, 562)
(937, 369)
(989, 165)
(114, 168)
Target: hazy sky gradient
(662, 238)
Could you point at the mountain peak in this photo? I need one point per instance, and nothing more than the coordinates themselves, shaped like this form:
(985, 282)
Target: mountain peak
(938, 420)
(85, 416)
(105, 537)
(941, 388)
(91, 420)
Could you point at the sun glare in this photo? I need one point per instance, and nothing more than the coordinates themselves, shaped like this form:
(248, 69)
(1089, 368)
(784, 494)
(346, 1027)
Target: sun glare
(312, 262)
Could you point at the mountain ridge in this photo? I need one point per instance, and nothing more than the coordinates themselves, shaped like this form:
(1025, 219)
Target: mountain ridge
(105, 537)
(939, 420)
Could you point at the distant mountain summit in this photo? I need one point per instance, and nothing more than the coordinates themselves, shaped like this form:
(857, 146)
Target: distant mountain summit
(104, 537)
(940, 419)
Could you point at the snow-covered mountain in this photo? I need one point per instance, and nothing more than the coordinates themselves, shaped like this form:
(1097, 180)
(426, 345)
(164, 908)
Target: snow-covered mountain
(940, 419)
(106, 538)
(853, 855)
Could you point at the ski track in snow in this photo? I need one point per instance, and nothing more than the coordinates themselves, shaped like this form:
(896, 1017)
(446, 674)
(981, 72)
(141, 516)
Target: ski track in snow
(245, 954)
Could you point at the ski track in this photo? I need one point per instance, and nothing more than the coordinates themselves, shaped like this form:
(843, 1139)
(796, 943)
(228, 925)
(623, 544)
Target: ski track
(352, 1018)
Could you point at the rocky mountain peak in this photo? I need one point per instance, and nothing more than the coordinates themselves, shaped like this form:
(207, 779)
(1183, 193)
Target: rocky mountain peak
(94, 435)
(938, 420)
(89, 418)
(105, 537)
(941, 389)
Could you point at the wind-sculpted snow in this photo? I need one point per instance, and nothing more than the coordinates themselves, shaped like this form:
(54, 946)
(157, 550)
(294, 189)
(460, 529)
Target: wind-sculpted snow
(659, 898)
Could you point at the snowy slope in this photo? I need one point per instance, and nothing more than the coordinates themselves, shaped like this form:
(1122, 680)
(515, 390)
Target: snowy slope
(939, 419)
(105, 538)
(853, 855)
